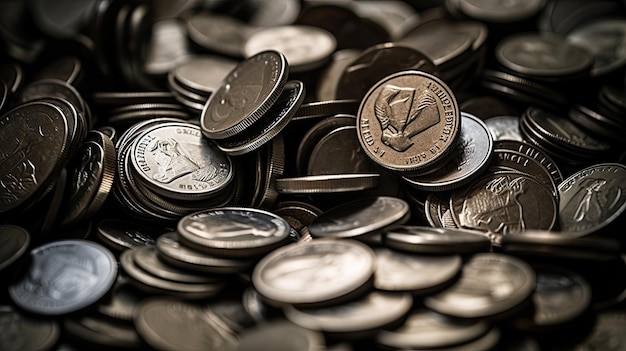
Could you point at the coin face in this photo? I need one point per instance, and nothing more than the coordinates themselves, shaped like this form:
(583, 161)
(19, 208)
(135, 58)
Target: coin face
(408, 121)
(64, 277)
(592, 198)
(177, 159)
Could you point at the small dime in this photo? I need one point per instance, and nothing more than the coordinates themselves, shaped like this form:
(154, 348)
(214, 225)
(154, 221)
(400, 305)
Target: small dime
(175, 160)
(425, 329)
(14, 241)
(64, 277)
(417, 274)
(305, 47)
(234, 231)
(171, 324)
(470, 157)
(490, 284)
(21, 332)
(316, 272)
(280, 335)
(408, 121)
(504, 203)
(355, 319)
(504, 128)
(605, 39)
(428, 240)
(120, 235)
(245, 95)
(147, 258)
(327, 183)
(360, 217)
(592, 198)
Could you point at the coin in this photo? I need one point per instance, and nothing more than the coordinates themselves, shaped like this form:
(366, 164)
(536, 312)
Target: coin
(515, 161)
(504, 128)
(64, 277)
(499, 12)
(120, 235)
(537, 153)
(272, 336)
(603, 39)
(147, 258)
(327, 183)
(14, 241)
(97, 331)
(428, 240)
(408, 121)
(22, 332)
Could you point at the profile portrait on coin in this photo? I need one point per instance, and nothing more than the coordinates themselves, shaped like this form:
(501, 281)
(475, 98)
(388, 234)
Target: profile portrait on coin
(175, 161)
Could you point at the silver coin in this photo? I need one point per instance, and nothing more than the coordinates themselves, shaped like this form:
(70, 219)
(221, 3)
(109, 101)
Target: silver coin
(359, 217)
(536, 153)
(280, 334)
(14, 241)
(317, 271)
(418, 274)
(592, 198)
(606, 39)
(490, 283)
(203, 73)
(500, 11)
(175, 160)
(428, 240)
(121, 235)
(147, 258)
(234, 231)
(504, 128)
(63, 277)
(327, 183)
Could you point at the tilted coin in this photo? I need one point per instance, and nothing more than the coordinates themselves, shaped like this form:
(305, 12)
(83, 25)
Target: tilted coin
(592, 198)
(23, 332)
(234, 231)
(359, 217)
(147, 258)
(469, 158)
(414, 273)
(316, 272)
(121, 235)
(327, 183)
(174, 159)
(408, 121)
(64, 277)
(305, 47)
(272, 336)
(428, 240)
(504, 128)
(14, 241)
(490, 283)
(537, 153)
(245, 95)
(315, 134)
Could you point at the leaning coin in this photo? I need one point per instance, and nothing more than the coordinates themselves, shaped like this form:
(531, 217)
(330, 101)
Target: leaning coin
(592, 198)
(327, 183)
(245, 95)
(234, 231)
(14, 241)
(428, 240)
(21, 332)
(408, 121)
(316, 272)
(490, 283)
(359, 217)
(64, 277)
(120, 235)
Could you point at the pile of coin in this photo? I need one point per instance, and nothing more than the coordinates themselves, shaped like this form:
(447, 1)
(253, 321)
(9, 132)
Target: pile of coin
(306, 175)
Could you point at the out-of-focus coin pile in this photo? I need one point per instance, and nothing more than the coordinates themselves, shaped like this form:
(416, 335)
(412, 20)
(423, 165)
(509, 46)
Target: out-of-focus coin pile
(313, 175)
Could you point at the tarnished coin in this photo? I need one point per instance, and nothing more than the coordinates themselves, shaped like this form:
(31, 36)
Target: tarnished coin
(327, 183)
(354, 319)
(171, 324)
(316, 272)
(592, 198)
(408, 121)
(490, 284)
(245, 95)
(234, 231)
(14, 241)
(469, 158)
(305, 47)
(280, 335)
(536, 153)
(175, 160)
(516, 161)
(64, 277)
(21, 332)
(428, 240)
(360, 217)
(35, 144)
(414, 273)
(605, 39)
(504, 128)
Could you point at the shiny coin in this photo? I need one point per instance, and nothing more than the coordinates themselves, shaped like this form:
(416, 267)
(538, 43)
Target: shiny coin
(14, 241)
(536, 153)
(418, 274)
(245, 95)
(305, 47)
(280, 335)
(424, 329)
(175, 160)
(359, 217)
(372, 312)
(470, 157)
(120, 235)
(408, 121)
(327, 183)
(234, 231)
(315, 272)
(203, 73)
(490, 283)
(592, 198)
(515, 161)
(147, 259)
(498, 12)
(21, 332)
(64, 277)
(428, 240)
(504, 128)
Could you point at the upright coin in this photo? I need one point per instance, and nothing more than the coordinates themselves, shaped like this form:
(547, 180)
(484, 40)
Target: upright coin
(315, 272)
(234, 231)
(245, 95)
(14, 241)
(592, 198)
(175, 160)
(408, 121)
(63, 277)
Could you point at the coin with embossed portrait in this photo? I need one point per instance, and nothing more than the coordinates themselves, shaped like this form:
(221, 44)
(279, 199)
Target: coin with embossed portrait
(408, 121)
(175, 160)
